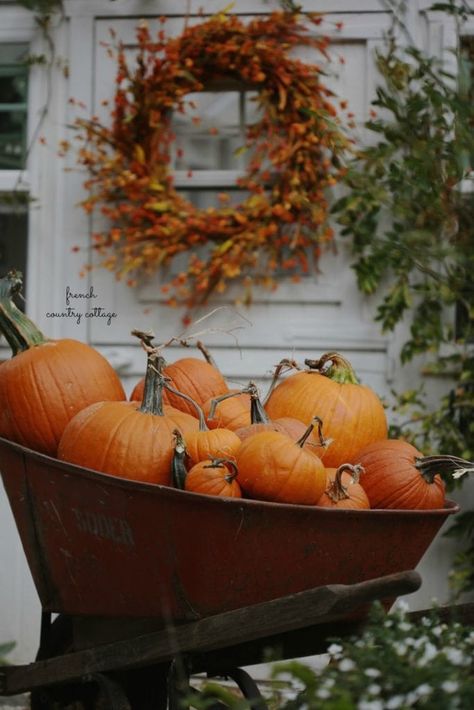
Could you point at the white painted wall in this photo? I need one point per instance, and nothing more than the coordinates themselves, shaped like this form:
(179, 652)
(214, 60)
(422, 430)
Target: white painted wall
(326, 312)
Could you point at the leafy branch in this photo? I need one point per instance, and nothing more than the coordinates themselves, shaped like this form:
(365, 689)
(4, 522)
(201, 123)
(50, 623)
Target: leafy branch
(410, 222)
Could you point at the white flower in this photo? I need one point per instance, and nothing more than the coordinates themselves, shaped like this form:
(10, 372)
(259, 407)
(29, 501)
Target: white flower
(346, 664)
(374, 689)
(400, 648)
(370, 705)
(402, 605)
(456, 656)
(335, 650)
(450, 686)
(372, 672)
(404, 626)
(423, 690)
(430, 651)
(396, 701)
(323, 693)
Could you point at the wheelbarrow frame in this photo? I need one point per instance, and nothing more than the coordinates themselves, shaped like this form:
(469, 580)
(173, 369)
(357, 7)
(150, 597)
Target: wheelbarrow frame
(148, 575)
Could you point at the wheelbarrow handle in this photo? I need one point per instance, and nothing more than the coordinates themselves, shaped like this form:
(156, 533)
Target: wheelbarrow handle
(251, 623)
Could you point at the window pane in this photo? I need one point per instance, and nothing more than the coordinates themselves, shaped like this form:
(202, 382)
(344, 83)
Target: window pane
(204, 198)
(13, 239)
(13, 106)
(212, 130)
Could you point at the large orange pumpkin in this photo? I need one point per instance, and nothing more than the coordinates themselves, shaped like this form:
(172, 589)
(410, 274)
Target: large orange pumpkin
(273, 467)
(46, 382)
(397, 475)
(352, 413)
(126, 439)
(343, 489)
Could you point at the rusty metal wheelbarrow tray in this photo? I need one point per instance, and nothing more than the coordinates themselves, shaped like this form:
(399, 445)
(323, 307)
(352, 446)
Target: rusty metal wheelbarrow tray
(101, 546)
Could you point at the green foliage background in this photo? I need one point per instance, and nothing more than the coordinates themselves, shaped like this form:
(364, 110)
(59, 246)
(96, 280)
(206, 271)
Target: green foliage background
(409, 214)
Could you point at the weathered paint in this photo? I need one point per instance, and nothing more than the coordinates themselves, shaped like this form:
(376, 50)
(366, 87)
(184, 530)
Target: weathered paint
(103, 546)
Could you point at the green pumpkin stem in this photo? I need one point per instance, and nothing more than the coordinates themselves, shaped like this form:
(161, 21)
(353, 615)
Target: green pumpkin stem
(336, 490)
(227, 463)
(340, 370)
(429, 466)
(178, 463)
(19, 331)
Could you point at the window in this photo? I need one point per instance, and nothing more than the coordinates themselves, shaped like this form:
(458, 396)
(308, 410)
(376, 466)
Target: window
(208, 153)
(13, 106)
(13, 141)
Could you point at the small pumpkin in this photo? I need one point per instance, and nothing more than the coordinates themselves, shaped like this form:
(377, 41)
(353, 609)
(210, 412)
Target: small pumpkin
(204, 443)
(46, 382)
(273, 467)
(397, 475)
(126, 439)
(214, 477)
(260, 421)
(343, 489)
(352, 413)
(200, 379)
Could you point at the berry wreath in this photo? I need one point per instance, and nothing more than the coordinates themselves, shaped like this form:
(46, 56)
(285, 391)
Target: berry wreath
(297, 147)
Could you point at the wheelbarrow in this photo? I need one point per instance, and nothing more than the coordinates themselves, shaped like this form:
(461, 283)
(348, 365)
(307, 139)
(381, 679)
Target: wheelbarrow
(152, 583)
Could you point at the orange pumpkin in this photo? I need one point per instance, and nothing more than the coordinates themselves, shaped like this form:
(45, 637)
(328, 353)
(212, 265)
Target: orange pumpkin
(397, 475)
(199, 379)
(125, 439)
(343, 489)
(214, 477)
(273, 467)
(260, 421)
(352, 413)
(204, 443)
(46, 382)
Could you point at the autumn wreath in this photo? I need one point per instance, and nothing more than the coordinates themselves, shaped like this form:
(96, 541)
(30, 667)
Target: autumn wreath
(296, 146)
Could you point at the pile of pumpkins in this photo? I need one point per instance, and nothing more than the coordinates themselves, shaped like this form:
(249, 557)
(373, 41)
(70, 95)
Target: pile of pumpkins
(320, 438)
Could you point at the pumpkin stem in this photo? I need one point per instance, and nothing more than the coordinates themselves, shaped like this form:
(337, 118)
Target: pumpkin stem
(228, 464)
(336, 490)
(322, 441)
(202, 420)
(283, 366)
(19, 331)
(340, 370)
(429, 466)
(178, 463)
(258, 414)
(217, 400)
(152, 402)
